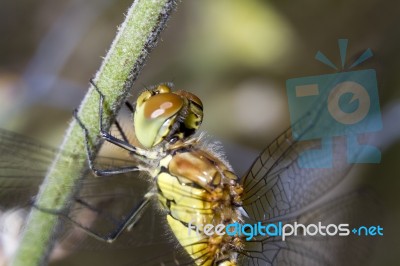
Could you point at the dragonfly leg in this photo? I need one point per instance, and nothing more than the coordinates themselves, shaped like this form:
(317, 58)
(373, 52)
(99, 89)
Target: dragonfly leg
(132, 222)
(117, 124)
(121, 131)
(130, 107)
(128, 223)
(139, 153)
(90, 155)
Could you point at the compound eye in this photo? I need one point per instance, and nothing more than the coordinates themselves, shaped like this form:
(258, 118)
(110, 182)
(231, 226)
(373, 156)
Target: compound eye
(191, 97)
(195, 99)
(162, 105)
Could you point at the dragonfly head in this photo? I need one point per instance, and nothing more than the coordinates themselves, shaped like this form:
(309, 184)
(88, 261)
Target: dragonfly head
(165, 115)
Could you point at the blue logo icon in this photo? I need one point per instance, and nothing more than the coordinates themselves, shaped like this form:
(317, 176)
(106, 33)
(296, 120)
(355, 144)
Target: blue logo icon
(345, 104)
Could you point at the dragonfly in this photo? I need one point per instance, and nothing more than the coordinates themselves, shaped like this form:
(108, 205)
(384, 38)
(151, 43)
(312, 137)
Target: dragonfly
(157, 199)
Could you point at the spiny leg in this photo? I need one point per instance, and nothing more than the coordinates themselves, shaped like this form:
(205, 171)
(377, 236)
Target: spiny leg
(139, 212)
(121, 130)
(140, 153)
(130, 107)
(90, 155)
(128, 223)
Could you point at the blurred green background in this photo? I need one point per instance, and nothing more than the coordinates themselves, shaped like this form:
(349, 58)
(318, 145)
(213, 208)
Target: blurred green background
(235, 55)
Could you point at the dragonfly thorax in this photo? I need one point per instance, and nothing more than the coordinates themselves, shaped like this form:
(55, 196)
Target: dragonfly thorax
(196, 189)
(164, 115)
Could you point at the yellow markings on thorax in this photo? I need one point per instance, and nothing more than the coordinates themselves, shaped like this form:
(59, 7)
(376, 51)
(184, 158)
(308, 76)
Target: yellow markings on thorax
(183, 201)
(198, 189)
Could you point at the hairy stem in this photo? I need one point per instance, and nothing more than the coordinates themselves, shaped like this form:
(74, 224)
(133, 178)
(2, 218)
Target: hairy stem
(135, 39)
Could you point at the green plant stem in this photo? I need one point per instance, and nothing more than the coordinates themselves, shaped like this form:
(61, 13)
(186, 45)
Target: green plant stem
(120, 68)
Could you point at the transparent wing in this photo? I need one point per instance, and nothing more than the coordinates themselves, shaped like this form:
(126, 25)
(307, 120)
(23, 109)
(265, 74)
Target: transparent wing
(359, 208)
(286, 180)
(102, 205)
(276, 185)
(292, 173)
(23, 164)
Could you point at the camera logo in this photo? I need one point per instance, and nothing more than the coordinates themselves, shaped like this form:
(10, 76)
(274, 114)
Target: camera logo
(358, 94)
(340, 104)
